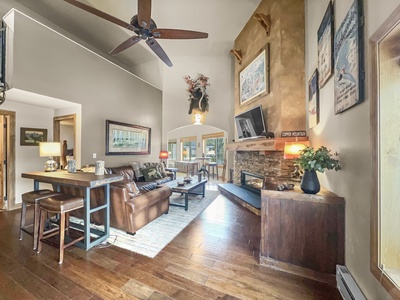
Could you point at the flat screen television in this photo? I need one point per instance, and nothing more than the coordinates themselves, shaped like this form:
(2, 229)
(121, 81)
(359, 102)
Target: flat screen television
(250, 124)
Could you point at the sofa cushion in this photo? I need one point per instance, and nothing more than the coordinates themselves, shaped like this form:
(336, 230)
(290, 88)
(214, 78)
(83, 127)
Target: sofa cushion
(146, 186)
(136, 166)
(125, 171)
(163, 180)
(151, 173)
(159, 165)
(131, 187)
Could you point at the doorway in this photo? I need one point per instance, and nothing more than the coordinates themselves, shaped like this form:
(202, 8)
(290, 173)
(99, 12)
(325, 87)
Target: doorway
(64, 131)
(7, 160)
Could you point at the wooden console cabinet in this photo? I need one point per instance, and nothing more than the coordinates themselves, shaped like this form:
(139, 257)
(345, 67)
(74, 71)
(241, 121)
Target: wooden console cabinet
(302, 234)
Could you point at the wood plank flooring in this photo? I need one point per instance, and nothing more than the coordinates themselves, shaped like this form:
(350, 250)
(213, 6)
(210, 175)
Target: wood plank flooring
(215, 257)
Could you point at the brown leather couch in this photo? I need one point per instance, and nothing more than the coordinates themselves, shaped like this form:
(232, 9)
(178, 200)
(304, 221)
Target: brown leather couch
(130, 208)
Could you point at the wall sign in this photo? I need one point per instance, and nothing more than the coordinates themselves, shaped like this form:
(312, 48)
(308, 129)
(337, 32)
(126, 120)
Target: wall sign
(349, 59)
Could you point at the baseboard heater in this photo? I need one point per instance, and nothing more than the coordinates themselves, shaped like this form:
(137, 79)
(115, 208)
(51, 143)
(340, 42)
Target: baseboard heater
(346, 285)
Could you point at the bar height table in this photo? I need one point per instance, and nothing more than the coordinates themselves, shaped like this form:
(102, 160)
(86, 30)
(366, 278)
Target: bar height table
(87, 181)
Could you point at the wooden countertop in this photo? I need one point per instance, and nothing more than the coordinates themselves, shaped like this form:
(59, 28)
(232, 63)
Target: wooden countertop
(324, 196)
(82, 179)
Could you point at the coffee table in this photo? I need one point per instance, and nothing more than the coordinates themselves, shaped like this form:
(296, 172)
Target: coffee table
(195, 187)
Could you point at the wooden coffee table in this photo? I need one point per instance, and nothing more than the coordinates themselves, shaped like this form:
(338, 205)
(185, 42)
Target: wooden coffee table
(195, 187)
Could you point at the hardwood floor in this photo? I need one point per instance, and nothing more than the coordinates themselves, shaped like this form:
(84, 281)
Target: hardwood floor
(215, 257)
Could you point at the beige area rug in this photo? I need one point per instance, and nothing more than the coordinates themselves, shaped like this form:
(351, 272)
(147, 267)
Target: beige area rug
(153, 237)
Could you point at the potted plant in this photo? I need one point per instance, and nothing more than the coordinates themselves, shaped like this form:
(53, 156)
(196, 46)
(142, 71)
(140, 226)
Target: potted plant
(310, 161)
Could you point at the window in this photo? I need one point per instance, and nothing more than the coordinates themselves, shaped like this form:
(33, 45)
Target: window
(172, 149)
(214, 147)
(385, 134)
(188, 148)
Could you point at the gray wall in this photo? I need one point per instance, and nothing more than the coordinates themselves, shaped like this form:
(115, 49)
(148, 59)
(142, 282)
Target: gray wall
(349, 134)
(47, 63)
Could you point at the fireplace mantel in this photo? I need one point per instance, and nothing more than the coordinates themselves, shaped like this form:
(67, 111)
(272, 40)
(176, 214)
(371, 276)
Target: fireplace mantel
(263, 144)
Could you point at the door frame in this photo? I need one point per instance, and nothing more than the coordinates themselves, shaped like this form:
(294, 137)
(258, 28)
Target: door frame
(10, 157)
(57, 128)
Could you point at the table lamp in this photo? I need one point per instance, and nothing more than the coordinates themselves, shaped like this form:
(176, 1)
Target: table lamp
(163, 156)
(50, 149)
(292, 150)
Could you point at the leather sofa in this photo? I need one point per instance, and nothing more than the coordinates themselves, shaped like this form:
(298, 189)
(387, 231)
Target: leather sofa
(131, 208)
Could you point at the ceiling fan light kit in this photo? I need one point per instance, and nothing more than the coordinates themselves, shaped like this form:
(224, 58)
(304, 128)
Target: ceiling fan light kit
(144, 27)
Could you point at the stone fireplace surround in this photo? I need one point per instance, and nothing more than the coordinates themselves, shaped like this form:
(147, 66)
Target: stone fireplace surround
(270, 164)
(263, 157)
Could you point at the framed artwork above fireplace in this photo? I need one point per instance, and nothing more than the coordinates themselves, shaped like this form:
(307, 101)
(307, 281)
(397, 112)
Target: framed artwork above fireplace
(254, 79)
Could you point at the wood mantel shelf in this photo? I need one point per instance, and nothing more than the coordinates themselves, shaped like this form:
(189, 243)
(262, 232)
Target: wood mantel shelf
(263, 144)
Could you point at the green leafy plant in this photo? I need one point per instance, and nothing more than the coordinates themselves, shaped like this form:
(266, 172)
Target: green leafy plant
(318, 160)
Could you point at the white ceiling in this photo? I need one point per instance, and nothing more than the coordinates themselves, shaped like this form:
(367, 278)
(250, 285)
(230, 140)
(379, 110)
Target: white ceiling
(221, 19)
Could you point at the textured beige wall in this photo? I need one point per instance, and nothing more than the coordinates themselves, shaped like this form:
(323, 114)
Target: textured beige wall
(284, 106)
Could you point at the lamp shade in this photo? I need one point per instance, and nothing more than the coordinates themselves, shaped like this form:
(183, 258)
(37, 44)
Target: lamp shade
(163, 154)
(292, 149)
(49, 149)
(197, 119)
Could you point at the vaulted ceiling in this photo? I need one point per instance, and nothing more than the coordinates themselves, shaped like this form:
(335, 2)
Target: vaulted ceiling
(221, 19)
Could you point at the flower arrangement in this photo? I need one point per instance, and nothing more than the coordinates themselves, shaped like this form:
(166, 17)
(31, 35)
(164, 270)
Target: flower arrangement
(197, 93)
(201, 82)
(318, 160)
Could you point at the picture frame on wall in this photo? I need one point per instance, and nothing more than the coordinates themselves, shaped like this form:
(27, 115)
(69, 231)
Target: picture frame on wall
(313, 100)
(2, 57)
(254, 79)
(325, 46)
(32, 136)
(349, 60)
(127, 139)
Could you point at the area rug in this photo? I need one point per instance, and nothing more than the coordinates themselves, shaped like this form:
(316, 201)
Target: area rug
(153, 237)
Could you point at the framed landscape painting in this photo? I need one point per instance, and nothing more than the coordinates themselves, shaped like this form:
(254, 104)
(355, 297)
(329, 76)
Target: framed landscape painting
(254, 79)
(32, 136)
(127, 139)
(349, 60)
(325, 46)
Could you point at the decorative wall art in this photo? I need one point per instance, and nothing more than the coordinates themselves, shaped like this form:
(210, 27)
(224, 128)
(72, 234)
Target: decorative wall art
(198, 98)
(349, 60)
(32, 136)
(127, 139)
(2, 62)
(254, 79)
(325, 46)
(313, 100)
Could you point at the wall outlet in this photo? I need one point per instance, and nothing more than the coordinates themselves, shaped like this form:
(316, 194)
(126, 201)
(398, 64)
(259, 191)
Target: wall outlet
(94, 155)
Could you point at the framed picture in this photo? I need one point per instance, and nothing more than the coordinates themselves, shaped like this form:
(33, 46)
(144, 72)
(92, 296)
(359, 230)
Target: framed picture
(313, 100)
(2, 57)
(32, 136)
(254, 79)
(127, 139)
(349, 60)
(325, 46)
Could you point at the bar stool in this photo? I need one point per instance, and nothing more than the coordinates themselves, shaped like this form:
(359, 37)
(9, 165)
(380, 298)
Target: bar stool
(60, 204)
(32, 198)
(213, 169)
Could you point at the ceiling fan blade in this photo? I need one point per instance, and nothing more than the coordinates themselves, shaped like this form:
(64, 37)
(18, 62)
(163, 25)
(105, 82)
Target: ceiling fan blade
(144, 12)
(155, 46)
(178, 34)
(101, 14)
(125, 45)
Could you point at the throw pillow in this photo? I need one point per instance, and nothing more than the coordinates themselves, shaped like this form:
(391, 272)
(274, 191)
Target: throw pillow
(151, 174)
(159, 165)
(136, 166)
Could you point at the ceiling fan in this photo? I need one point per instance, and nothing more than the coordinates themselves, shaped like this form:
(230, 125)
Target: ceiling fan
(144, 27)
